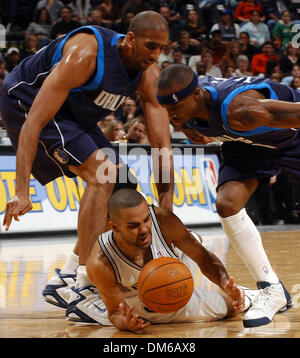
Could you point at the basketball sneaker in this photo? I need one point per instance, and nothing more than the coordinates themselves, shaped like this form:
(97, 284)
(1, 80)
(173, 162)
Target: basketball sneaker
(86, 306)
(273, 298)
(58, 288)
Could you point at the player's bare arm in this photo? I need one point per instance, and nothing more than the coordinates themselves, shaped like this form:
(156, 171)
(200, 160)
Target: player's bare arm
(102, 275)
(251, 110)
(158, 132)
(176, 233)
(76, 67)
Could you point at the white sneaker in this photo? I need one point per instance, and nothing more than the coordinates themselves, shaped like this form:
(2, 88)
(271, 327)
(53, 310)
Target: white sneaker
(58, 289)
(272, 298)
(251, 294)
(86, 306)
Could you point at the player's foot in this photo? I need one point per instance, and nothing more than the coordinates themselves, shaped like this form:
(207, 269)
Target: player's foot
(58, 288)
(86, 306)
(251, 294)
(272, 298)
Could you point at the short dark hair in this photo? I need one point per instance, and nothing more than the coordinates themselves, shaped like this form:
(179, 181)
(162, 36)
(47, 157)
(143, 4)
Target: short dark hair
(123, 198)
(175, 75)
(148, 20)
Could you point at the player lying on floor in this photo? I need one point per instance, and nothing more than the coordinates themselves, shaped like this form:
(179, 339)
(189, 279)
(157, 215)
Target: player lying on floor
(139, 234)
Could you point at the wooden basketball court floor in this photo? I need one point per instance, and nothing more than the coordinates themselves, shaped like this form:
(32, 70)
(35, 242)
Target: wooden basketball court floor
(26, 264)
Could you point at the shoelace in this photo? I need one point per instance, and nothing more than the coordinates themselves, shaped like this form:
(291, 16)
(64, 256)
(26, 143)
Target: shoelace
(262, 298)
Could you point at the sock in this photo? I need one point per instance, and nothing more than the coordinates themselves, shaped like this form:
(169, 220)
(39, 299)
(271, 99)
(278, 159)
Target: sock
(71, 264)
(246, 240)
(247, 303)
(82, 277)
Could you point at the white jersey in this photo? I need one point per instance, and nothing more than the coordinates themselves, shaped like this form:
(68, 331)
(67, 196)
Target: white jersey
(203, 305)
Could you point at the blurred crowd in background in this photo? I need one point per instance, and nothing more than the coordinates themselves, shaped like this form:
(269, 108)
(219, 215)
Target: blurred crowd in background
(221, 38)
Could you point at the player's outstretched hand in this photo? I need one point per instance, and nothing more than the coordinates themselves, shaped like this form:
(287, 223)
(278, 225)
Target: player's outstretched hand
(15, 207)
(196, 137)
(132, 320)
(236, 294)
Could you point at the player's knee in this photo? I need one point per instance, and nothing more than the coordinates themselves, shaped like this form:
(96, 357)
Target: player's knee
(227, 206)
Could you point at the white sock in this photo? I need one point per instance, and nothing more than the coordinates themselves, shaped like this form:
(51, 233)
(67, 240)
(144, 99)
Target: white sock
(82, 277)
(246, 240)
(71, 264)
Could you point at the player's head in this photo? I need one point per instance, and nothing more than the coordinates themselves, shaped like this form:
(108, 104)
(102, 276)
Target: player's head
(130, 218)
(147, 35)
(178, 91)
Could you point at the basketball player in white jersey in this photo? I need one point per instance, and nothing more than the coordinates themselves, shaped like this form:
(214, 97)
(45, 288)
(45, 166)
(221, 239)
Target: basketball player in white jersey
(139, 234)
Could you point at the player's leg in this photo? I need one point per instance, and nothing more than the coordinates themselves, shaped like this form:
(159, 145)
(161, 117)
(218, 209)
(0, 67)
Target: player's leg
(231, 200)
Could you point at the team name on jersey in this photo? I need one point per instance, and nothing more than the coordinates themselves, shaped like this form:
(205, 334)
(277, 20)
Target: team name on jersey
(110, 101)
(227, 138)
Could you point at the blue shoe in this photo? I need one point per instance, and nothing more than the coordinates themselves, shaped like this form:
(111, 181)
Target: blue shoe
(86, 306)
(273, 298)
(58, 289)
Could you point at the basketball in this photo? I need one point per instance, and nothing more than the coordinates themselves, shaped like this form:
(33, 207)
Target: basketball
(165, 285)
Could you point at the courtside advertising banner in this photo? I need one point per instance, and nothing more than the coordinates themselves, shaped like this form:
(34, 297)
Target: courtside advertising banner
(56, 205)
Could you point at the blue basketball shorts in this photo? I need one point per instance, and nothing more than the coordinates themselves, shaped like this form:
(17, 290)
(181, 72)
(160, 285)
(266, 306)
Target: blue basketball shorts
(242, 161)
(62, 142)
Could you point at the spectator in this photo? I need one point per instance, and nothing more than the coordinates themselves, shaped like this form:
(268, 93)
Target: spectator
(259, 61)
(278, 48)
(207, 57)
(195, 26)
(295, 83)
(82, 10)
(294, 73)
(273, 68)
(114, 131)
(187, 45)
(230, 58)
(12, 58)
(104, 123)
(174, 26)
(289, 58)
(124, 24)
(258, 31)
(178, 56)
(175, 7)
(244, 10)
(111, 13)
(164, 64)
(96, 18)
(218, 47)
(276, 76)
(200, 69)
(210, 11)
(242, 66)
(283, 28)
(41, 26)
(134, 6)
(31, 46)
(66, 24)
(137, 132)
(228, 72)
(229, 30)
(3, 70)
(271, 12)
(193, 60)
(166, 54)
(128, 110)
(247, 48)
(53, 6)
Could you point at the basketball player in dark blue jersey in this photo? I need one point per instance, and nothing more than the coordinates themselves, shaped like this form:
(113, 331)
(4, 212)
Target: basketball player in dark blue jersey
(258, 122)
(51, 104)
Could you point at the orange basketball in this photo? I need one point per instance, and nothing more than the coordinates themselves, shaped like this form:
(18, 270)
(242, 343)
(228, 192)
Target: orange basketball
(165, 285)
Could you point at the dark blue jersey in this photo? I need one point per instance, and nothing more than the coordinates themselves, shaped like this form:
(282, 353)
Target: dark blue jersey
(223, 91)
(86, 105)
